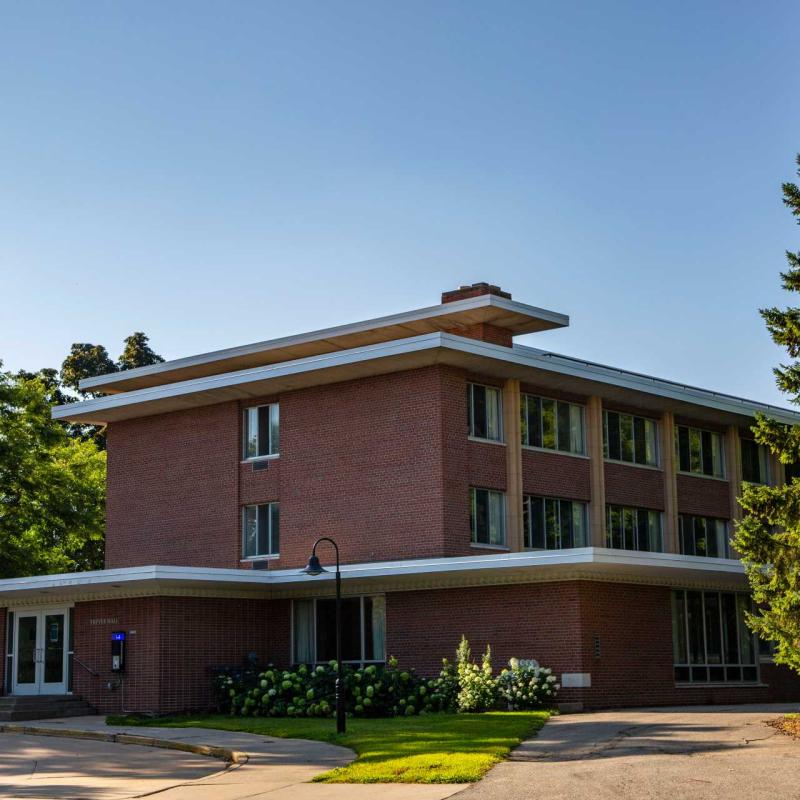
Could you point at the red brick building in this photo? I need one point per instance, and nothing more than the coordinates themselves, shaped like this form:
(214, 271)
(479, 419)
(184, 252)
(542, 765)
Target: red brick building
(557, 509)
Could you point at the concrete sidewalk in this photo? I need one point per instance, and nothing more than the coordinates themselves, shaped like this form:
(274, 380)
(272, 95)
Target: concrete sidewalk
(275, 769)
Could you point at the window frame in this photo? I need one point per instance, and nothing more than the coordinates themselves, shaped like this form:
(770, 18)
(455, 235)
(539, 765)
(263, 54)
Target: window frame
(274, 425)
(766, 479)
(524, 400)
(471, 413)
(474, 518)
(362, 662)
(527, 520)
(633, 463)
(659, 516)
(707, 665)
(271, 504)
(689, 428)
(682, 518)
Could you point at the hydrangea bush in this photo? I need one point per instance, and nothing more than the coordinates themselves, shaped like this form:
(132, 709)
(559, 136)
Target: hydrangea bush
(384, 691)
(526, 686)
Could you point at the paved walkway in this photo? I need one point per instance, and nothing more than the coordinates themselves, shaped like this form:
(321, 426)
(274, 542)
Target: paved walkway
(696, 753)
(275, 769)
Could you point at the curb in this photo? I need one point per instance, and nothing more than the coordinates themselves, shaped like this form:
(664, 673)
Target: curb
(212, 751)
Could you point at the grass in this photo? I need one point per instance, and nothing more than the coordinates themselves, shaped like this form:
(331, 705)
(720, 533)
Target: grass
(435, 748)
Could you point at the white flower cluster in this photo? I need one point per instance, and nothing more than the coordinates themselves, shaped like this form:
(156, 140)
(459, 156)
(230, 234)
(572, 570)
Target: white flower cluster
(525, 686)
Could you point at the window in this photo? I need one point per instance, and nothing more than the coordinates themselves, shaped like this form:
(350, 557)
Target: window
(488, 517)
(552, 424)
(629, 438)
(710, 640)
(485, 408)
(363, 630)
(754, 462)
(703, 536)
(792, 471)
(552, 524)
(699, 451)
(629, 528)
(261, 431)
(260, 530)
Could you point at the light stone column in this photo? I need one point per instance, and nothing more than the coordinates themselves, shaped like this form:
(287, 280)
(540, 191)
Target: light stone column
(667, 445)
(597, 478)
(733, 469)
(512, 432)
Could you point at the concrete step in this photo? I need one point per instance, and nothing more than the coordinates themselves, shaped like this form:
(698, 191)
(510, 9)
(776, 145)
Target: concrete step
(16, 708)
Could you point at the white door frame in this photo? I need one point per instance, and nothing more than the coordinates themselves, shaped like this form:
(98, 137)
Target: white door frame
(39, 686)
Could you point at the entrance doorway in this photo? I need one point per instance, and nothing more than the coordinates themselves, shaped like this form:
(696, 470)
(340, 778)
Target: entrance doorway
(40, 663)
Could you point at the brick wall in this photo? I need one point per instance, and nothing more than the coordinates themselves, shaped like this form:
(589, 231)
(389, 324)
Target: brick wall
(634, 486)
(555, 475)
(172, 644)
(538, 621)
(560, 624)
(705, 497)
(173, 489)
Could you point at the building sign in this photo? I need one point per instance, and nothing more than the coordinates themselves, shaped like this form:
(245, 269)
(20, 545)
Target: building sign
(104, 621)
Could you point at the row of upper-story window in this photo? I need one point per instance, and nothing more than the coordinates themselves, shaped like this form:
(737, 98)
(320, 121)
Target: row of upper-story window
(552, 523)
(549, 523)
(559, 426)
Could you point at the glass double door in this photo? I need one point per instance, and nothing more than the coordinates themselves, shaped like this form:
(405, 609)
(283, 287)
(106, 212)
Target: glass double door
(40, 653)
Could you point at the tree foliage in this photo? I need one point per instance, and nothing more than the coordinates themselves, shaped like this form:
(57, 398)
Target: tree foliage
(52, 486)
(137, 353)
(768, 538)
(52, 474)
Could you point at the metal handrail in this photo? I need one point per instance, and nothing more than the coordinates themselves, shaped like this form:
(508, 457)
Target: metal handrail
(87, 668)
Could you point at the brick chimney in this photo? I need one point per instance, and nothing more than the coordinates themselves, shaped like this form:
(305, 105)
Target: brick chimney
(475, 290)
(484, 331)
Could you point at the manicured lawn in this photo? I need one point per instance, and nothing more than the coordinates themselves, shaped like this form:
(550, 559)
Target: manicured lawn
(434, 748)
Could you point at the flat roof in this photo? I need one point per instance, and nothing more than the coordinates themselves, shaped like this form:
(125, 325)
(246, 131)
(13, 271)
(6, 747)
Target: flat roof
(518, 318)
(526, 363)
(585, 563)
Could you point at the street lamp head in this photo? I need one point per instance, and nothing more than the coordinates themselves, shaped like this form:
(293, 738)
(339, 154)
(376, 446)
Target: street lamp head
(314, 567)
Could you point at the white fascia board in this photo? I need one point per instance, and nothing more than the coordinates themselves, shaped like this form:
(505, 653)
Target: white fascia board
(528, 559)
(208, 578)
(518, 355)
(426, 341)
(555, 318)
(133, 575)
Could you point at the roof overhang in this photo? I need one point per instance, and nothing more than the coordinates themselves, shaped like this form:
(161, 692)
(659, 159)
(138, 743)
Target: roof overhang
(525, 363)
(589, 563)
(518, 318)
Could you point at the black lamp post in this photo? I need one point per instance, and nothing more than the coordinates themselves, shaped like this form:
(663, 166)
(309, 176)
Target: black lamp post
(315, 568)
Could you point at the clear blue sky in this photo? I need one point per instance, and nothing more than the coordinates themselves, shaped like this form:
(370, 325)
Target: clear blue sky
(220, 173)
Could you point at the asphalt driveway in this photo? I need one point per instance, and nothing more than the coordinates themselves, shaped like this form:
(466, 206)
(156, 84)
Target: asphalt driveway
(697, 753)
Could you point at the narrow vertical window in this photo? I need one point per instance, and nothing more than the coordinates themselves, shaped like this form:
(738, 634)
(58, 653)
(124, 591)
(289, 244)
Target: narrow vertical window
(260, 530)
(754, 462)
(261, 431)
(487, 517)
(485, 415)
